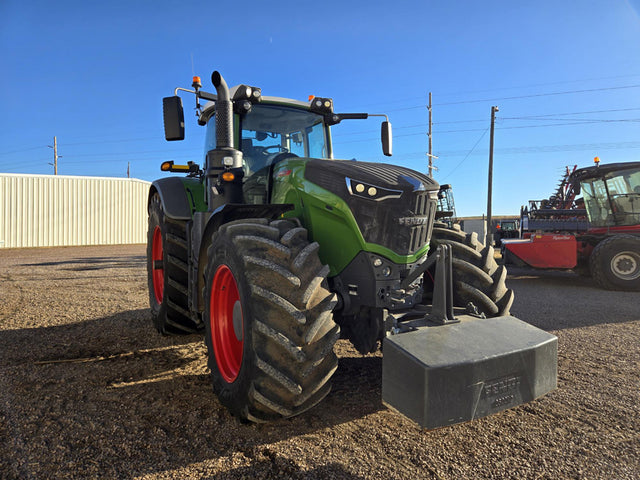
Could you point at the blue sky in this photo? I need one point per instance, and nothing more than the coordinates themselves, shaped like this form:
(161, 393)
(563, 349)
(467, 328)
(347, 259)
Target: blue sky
(564, 74)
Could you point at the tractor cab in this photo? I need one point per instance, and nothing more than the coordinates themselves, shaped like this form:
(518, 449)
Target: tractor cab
(611, 194)
(269, 132)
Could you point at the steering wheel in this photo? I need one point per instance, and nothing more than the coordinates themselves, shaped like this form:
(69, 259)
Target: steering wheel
(278, 148)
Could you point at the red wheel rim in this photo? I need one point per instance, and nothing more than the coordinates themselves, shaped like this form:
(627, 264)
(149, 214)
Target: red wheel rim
(228, 342)
(157, 267)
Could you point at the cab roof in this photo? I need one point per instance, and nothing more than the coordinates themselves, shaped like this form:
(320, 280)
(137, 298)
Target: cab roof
(601, 170)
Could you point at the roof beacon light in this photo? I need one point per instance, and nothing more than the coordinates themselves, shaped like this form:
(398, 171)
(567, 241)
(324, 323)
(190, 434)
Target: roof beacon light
(596, 160)
(197, 83)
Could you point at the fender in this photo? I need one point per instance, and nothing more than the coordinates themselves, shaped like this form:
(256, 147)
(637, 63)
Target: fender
(174, 197)
(205, 224)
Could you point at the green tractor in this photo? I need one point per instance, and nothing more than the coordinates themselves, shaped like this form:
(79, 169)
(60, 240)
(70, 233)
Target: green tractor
(276, 251)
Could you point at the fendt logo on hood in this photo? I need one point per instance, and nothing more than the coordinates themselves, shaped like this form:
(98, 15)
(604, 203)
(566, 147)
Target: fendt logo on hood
(413, 221)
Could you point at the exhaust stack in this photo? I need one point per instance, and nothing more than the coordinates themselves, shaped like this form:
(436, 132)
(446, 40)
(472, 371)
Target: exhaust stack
(224, 112)
(224, 156)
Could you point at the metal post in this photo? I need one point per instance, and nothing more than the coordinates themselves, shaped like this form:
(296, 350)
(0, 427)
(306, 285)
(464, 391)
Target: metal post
(489, 239)
(55, 155)
(430, 140)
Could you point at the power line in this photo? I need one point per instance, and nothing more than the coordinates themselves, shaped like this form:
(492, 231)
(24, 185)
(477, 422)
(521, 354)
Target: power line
(128, 140)
(586, 120)
(577, 113)
(23, 150)
(517, 97)
(582, 80)
(122, 140)
(578, 122)
(468, 154)
(534, 117)
(568, 92)
(464, 92)
(576, 147)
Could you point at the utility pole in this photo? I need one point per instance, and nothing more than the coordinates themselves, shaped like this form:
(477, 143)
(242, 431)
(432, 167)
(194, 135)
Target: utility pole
(489, 240)
(430, 154)
(55, 155)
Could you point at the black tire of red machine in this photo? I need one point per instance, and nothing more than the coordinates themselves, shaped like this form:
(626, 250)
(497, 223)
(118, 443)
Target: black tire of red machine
(615, 263)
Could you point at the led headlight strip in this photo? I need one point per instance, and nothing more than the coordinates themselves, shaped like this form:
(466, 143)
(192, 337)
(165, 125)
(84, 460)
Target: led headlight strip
(370, 192)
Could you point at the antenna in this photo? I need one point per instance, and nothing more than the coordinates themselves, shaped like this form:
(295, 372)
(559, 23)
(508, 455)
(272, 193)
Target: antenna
(193, 71)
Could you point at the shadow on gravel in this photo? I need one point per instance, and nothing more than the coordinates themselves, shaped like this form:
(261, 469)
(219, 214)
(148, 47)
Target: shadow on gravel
(113, 388)
(93, 263)
(118, 334)
(555, 300)
(279, 467)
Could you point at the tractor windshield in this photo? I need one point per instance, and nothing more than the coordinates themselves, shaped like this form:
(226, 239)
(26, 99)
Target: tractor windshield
(268, 131)
(614, 199)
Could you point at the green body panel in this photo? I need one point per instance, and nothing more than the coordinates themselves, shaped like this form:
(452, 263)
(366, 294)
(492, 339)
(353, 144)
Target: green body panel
(327, 218)
(194, 188)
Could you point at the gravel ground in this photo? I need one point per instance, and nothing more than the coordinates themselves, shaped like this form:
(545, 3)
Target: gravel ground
(88, 389)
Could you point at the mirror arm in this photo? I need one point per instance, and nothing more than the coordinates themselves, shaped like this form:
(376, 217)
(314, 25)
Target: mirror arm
(175, 92)
(379, 115)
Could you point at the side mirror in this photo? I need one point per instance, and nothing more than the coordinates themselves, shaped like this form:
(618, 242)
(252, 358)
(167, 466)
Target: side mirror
(173, 114)
(386, 138)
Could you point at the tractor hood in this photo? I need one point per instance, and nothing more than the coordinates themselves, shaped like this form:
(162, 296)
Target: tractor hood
(393, 206)
(388, 180)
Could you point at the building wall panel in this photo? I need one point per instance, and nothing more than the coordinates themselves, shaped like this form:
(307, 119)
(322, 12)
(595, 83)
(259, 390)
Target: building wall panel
(56, 210)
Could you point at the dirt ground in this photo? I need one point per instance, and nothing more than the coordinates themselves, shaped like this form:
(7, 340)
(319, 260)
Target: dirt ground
(88, 389)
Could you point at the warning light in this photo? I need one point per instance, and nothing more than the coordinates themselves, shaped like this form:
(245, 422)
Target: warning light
(311, 97)
(197, 83)
(596, 160)
(169, 166)
(228, 176)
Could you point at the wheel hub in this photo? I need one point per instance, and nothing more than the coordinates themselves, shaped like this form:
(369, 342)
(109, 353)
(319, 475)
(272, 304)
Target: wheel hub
(157, 267)
(626, 265)
(226, 322)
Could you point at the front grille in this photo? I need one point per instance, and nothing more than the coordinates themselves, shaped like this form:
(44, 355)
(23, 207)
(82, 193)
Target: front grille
(421, 234)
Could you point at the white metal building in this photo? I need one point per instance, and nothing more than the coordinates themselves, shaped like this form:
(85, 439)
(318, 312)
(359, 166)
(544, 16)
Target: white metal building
(57, 210)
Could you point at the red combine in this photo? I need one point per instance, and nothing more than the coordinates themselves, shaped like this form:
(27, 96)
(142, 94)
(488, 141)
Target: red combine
(597, 234)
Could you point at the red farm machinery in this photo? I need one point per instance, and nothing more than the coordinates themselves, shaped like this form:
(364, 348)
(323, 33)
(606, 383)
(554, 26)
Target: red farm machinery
(597, 234)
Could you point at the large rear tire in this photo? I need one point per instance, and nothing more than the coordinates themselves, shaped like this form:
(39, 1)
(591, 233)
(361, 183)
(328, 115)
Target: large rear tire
(615, 263)
(477, 278)
(167, 273)
(268, 318)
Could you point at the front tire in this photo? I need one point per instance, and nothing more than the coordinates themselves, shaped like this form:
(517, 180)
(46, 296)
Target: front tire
(268, 319)
(477, 278)
(615, 263)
